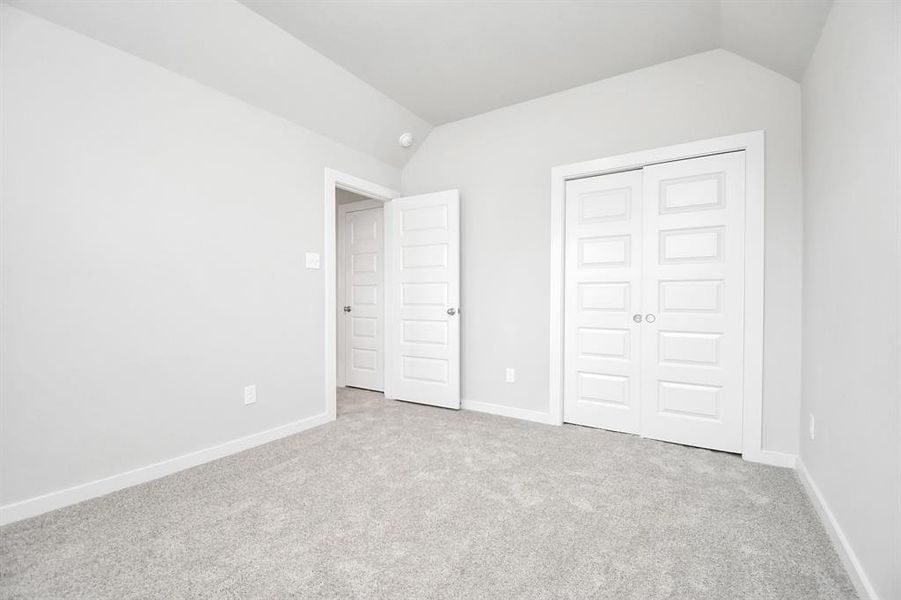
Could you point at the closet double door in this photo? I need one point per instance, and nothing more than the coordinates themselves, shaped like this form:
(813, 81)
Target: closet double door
(654, 289)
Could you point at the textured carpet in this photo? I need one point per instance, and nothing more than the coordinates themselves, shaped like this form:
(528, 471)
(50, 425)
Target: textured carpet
(395, 500)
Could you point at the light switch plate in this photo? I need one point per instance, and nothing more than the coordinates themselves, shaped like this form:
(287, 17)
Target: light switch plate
(312, 260)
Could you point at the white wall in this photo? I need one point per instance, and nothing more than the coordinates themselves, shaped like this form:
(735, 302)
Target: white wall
(346, 197)
(852, 361)
(501, 163)
(153, 239)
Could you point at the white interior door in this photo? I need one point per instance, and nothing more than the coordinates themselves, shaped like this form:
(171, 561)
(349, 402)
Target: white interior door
(603, 292)
(654, 301)
(364, 355)
(692, 334)
(424, 298)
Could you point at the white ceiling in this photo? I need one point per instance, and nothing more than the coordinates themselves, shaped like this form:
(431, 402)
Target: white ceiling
(224, 45)
(449, 59)
(361, 72)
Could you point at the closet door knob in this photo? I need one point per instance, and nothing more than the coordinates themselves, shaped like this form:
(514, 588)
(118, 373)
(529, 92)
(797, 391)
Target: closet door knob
(346, 309)
(650, 318)
(452, 311)
(636, 318)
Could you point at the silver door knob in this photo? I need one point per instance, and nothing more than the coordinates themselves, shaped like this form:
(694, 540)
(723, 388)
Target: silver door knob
(650, 318)
(452, 311)
(346, 309)
(636, 318)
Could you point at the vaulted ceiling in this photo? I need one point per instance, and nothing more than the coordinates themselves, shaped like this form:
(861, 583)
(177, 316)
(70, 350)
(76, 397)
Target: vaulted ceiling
(226, 46)
(450, 59)
(362, 72)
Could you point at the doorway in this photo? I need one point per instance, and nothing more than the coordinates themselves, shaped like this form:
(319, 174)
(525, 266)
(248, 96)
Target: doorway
(392, 312)
(653, 301)
(350, 188)
(657, 293)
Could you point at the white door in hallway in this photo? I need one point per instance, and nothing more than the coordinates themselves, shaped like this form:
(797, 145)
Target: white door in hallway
(603, 292)
(693, 297)
(654, 301)
(423, 324)
(364, 299)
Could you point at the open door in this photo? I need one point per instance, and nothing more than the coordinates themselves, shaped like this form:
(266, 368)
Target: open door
(423, 299)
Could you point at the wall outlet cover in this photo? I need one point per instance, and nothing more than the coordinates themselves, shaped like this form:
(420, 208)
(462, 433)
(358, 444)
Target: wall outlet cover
(312, 260)
(511, 375)
(250, 394)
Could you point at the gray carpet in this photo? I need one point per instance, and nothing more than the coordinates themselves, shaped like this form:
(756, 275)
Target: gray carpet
(403, 501)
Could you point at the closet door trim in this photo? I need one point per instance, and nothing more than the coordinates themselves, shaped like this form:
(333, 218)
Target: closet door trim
(753, 144)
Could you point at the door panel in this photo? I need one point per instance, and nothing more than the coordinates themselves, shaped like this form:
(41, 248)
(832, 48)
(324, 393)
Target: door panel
(424, 289)
(693, 285)
(603, 291)
(665, 242)
(364, 295)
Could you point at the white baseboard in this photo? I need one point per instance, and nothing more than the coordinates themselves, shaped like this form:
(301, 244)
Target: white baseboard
(769, 457)
(100, 487)
(510, 411)
(849, 559)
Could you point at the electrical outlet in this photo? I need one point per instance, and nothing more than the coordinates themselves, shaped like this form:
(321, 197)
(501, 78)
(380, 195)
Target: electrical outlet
(813, 425)
(312, 260)
(250, 394)
(511, 375)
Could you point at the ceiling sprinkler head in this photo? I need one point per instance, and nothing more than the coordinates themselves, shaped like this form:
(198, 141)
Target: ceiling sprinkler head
(405, 139)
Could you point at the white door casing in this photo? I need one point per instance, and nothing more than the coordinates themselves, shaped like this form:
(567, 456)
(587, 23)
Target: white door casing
(332, 181)
(423, 320)
(602, 276)
(363, 301)
(693, 272)
(753, 144)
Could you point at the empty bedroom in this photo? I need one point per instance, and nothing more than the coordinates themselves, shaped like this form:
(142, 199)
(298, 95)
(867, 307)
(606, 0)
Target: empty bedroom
(411, 299)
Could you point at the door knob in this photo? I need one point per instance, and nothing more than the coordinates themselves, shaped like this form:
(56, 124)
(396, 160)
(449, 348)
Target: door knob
(452, 311)
(636, 318)
(346, 309)
(650, 318)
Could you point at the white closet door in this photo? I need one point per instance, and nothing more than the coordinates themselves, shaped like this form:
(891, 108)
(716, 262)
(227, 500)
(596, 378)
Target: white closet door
(603, 292)
(693, 286)
(364, 299)
(424, 299)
